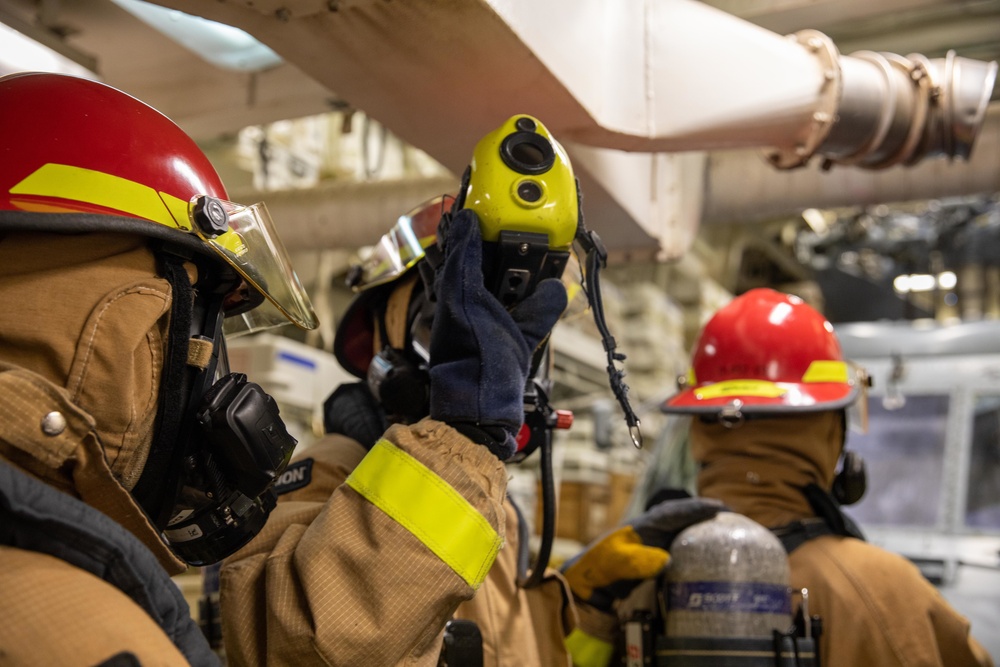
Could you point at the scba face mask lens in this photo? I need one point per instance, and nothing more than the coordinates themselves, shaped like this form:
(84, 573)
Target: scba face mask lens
(227, 493)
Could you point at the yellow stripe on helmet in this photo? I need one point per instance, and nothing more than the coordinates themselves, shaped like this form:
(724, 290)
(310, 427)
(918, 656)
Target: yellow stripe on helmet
(826, 371)
(761, 388)
(818, 371)
(428, 507)
(96, 187)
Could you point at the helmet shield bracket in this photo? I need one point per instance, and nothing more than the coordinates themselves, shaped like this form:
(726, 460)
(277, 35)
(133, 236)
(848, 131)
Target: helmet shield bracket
(251, 246)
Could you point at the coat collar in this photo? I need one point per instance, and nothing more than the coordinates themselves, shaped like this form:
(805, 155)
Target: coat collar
(45, 434)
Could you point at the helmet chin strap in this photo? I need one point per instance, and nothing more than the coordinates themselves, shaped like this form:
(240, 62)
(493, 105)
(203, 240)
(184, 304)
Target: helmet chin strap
(194, 314)
(157, 485)
(208, 483)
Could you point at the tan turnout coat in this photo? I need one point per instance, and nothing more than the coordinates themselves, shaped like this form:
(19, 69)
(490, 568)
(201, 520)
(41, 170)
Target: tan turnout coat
(332, 580)
(289, 597)
(877, 608)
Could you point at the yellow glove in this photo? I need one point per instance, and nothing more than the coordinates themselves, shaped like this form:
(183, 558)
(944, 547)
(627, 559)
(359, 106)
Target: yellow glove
(612, 566)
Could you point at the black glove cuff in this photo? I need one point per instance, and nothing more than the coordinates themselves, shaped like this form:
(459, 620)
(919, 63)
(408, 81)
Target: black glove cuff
(494, 438)
(351, 410)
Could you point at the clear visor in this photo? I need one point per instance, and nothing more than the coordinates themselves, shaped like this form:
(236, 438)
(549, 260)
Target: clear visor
(403, 245)
(252, 247)
(857, 412)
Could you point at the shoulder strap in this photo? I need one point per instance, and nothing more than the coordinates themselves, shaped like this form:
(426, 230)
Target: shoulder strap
(797, 533)
(828, 509)
(829, 520)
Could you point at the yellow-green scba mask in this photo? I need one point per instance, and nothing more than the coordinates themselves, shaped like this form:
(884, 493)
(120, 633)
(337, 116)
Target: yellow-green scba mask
(521, 180)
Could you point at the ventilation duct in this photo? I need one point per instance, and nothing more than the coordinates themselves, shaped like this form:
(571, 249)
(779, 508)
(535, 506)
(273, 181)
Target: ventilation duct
(625, 85)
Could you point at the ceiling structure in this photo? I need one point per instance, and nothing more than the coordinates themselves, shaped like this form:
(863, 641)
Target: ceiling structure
(441, 74)
(434, 82)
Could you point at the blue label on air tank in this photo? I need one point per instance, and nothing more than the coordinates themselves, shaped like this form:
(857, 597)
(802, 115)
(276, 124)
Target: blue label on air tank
(725, 596)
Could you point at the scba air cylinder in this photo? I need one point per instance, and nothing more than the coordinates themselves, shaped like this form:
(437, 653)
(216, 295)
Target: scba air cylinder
(728, 600)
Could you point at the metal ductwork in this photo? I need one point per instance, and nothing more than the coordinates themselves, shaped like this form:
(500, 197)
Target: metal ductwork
(684, 76)
(629, 82)
(650, 76)
(877, 110)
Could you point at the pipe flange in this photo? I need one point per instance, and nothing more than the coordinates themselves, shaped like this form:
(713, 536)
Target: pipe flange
(825, 112)
(948, 103)
(887, 112)
(916, 72)
(925, 77)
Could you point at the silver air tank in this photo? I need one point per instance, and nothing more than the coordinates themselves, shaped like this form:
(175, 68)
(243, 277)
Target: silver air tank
(727, 577)
(728, 598)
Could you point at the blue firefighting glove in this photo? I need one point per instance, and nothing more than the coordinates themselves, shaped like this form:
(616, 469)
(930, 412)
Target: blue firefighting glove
(480, 352)
(612, 566)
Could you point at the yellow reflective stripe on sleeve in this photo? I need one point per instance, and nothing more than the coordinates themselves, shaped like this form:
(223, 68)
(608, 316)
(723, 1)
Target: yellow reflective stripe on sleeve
(826, 371)
(587, 650)
(423, 503)
(96, 187)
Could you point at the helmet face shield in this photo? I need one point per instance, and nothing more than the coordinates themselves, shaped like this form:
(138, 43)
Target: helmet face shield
(251, 246)
(403, 245)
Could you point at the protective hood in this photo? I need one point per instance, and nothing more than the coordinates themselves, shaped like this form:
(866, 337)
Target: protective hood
(89, 314)
(759, 468)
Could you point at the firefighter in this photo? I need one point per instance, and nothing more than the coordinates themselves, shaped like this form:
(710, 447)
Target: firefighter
(128, 451)
(386, 338)
(768, 392)
(410, 335)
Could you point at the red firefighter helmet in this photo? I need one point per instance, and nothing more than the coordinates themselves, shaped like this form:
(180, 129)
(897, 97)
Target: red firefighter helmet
(767, 352)
(75, 146)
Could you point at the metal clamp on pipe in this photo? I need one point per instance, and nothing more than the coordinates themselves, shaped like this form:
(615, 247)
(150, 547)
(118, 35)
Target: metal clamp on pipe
(876, 110)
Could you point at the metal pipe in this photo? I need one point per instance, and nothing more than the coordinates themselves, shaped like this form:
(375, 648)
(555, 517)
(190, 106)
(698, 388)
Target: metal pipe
(736, 189)
(624, 80)
(877, 110)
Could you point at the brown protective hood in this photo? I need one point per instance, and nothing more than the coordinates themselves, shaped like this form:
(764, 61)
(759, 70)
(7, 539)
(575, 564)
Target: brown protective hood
(358, 339)
(759, 467)
(89, 314)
